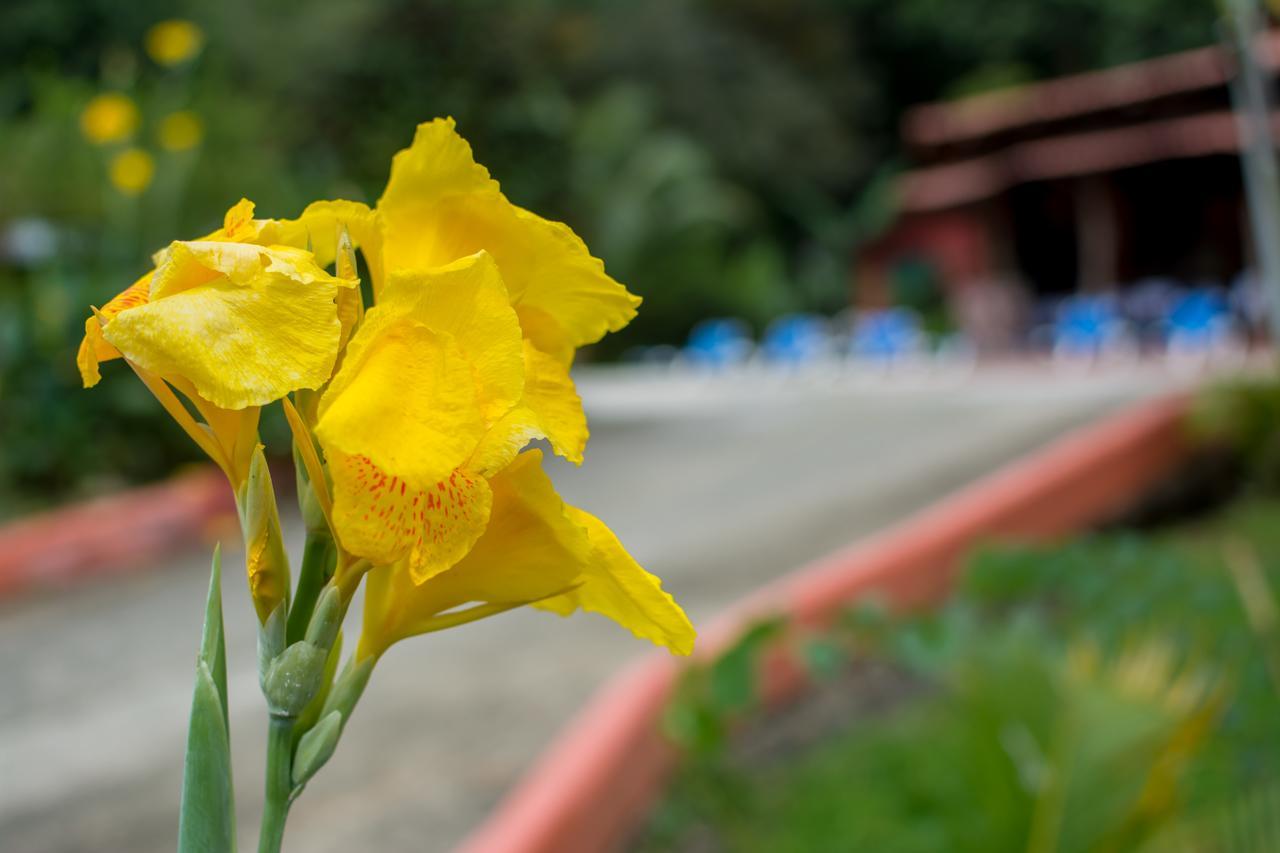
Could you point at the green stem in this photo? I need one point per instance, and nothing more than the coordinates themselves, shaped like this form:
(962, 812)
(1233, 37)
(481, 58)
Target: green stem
(319, 557)
(279, 784)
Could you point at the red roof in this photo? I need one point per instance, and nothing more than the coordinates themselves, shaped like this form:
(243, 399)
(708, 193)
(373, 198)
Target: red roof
(1076, 95)
(953, 184)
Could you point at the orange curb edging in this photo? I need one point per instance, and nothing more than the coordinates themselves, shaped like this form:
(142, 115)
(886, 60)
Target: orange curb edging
(112, 534)
(596, 782)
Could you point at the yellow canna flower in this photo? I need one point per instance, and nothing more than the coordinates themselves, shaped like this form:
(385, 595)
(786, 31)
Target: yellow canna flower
(174, 42)
(245, 324)
(433, 367)
(439, 206)
(181, 131)
(231, 322)
(131, 171)
(461, 362)
(536, 550)
(108, 118)
(231, 325)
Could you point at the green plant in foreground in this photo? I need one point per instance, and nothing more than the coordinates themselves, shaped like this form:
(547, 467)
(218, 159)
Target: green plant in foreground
(1107, 694)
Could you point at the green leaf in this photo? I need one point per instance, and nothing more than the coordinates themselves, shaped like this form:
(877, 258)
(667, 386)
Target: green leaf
(213, 646)
(734, 676)
(823, 657)
(206, 823)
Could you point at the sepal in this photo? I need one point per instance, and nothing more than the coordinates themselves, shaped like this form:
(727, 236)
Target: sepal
(271, 642)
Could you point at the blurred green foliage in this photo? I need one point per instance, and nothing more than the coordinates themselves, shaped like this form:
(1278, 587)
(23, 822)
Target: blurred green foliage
(1107, 694)
(723, 156)
(1241, 416)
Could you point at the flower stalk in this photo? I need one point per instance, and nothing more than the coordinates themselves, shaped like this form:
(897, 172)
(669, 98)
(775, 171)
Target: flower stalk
(279, 784)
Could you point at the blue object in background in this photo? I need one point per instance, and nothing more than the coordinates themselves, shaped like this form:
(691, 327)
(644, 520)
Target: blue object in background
(1086, 326)
(1147, 304)
(719, 342)
(796, 339)
(886, 335)
(1200, 320)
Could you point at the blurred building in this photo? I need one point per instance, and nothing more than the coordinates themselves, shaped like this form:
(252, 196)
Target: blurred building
(1087, 183)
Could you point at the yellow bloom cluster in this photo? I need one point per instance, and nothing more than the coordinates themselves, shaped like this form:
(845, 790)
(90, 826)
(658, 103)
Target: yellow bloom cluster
(420, 407)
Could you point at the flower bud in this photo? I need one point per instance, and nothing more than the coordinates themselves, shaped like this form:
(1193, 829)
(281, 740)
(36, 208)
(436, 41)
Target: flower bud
(349, 687)
(316, 747)
(266, 563)
(294, 678)
(326, 619)
(308, 502)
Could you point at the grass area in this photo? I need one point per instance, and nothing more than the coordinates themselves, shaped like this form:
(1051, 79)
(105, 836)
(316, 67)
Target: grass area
(1111, 693)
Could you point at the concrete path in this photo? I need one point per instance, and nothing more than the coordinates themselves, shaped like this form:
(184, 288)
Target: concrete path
(714, 484)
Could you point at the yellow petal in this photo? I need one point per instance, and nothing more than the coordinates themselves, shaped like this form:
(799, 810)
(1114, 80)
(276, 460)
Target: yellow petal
(550, 408)
(244, 324)
(530, 550)
(94, 349)
(238, 225)
(535, 550)
(546, 334)
(235, 431)
(190, 264)
(405, 398)
(550, 394)
(318, 226)
(614, 585)
(468, 301)
(381, 518)
(440, 205)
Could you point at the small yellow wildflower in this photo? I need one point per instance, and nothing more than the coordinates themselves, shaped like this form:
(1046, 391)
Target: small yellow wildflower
(181, 131)
(108, 118)
(131, 171)
(174, 42)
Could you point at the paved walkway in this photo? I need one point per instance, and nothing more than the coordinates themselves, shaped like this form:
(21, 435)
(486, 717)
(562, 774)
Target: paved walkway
(715, 484)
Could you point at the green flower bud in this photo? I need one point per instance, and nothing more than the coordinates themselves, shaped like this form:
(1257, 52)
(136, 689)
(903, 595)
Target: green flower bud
(316, 747)
(349, 687)
(326, 620)
(294, 678)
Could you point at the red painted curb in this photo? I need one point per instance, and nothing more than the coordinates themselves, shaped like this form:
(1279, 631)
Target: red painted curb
(113, 534)
(596, 782)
